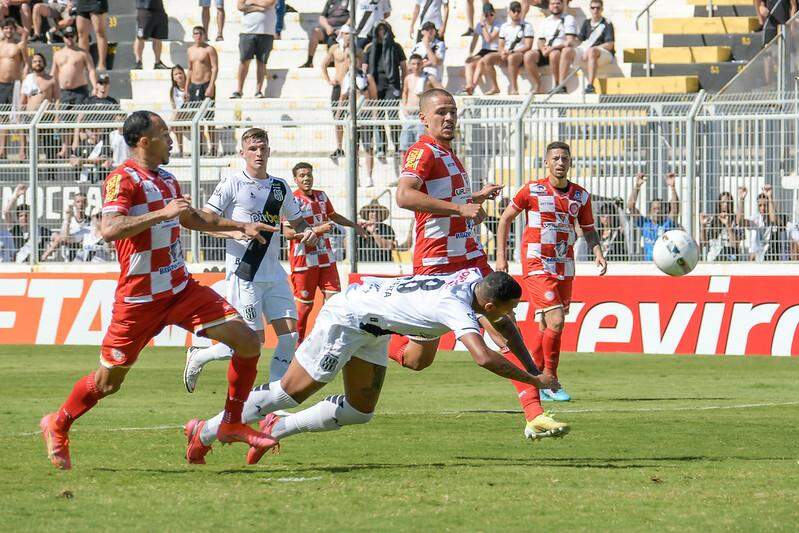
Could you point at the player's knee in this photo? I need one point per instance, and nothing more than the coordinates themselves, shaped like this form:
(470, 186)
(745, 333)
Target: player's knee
(248, 344)
(556, 322)
(347, 415)
(417, 363)
(108, 388)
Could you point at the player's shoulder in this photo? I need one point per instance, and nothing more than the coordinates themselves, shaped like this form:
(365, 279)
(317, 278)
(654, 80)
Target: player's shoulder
(277, 179)
(579, 193)
(124, 173)
(320, 195)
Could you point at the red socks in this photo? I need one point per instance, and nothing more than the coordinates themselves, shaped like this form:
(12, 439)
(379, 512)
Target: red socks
(396, 348)
(528, 395)
(303, 312)
(240, 377)
(536, 350)
(551, 346)
(83, 397)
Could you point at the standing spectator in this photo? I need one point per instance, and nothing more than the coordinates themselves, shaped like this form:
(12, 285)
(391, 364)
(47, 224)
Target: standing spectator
(367, 14)
(470, 17)
(13, 60)
(92, 15)
(75, 225)
(792, 237)
(152, 23)
(596, 44)
(655, 223)
(19, 10)
(255, 41)
(763, 226)
(433, 11)
(416, 82)
(488, 32)
(334, 16)
(772, 14)
(338, 55)
(91, 155)
(515, 42)
(203, 71)
(205, 15)
(280, 13)
(386, 69)
(17, 217)
(380, 239)
(37, 86)
(177, 98)
(432, 50)
(557, 39)
(719, 235)
(101, 94)
(58, 13)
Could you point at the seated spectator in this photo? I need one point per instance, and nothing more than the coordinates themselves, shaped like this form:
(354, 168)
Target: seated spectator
(334, 16)
(416, 82)
(58, 13)
(92, 16)
(487, 30)
(611, 233)
(91, 156)
(557, 41)
(792, 237)
(656, 222)
(719, 233)
(152, 23)
(763, 226)
(18, 10)
(596, 44)
(380, 239)
(94, 249)
(205, 16)
(256, 40)
(515, 41)
(75, 225)
(367, 14)
(434, 11)
(432, 50)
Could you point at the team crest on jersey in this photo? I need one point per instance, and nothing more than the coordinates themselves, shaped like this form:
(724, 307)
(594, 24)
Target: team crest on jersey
(549, 295)
(413, 158)
(117, 355)
(574, 208)
(248, 312)
(277, 192)
(329, 362)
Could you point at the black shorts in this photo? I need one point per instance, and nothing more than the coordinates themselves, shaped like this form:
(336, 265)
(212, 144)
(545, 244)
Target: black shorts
(255, 45)
(87, 8)
(197, 91)
(329, 40)
(152, 24)
(73, 97)
(542, 60)
(7, 93)
(484, 52)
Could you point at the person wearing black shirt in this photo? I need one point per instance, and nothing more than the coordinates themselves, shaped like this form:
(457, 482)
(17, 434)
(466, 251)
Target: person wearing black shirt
(772, 14)
(386, 69)
(380, 241)
(596, 44)
(335, 14)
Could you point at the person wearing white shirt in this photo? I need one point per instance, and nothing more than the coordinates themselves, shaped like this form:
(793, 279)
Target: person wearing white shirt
(557, 42)
(435, 11)
(258, 27)
(596, 44)
(515, 40)
(762, 225)
(432, 50)
(488, 32)
(367, 14)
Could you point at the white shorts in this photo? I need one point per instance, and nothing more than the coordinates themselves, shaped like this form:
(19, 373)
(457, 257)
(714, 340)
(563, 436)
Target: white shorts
(605, 57)
(256, 300)
(334, 340)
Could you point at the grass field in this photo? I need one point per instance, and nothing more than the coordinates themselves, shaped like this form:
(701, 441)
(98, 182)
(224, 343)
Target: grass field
(658, 443)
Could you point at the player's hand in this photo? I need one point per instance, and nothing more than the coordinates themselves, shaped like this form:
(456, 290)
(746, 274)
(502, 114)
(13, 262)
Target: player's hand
(323, 228)
(640, 178)
(602, 263)
(177, 207)
(548, 381)
(501, 265)
(489, 192)
(360, 231)
(471, 212)
(670, 178)
(252, 230)
(309, 236)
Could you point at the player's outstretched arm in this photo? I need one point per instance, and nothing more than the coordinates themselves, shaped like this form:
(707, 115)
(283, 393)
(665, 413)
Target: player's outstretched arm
(513, 337)
(503, 230)
(200, 220)
(494, 362)
(301, 226)
(115, 226)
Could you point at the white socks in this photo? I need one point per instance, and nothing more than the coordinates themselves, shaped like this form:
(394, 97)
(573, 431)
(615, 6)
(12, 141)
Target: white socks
(214, 352)
(284, 353)
(332, 413)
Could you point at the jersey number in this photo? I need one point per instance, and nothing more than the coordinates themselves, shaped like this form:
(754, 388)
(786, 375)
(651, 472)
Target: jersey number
(430, 284)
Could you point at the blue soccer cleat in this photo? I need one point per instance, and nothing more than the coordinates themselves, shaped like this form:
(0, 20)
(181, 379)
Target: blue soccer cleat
(548, 395)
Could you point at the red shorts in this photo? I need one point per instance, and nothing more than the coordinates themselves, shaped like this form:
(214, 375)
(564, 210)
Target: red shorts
(195, 309)
(306, 282)
(480, 263)
(548, 293)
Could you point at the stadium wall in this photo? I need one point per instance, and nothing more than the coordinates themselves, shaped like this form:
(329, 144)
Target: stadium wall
(723, 310)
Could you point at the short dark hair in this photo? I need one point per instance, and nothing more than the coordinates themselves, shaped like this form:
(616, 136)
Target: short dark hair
(501, 287)
(429, 25)
(44, 59)
(255, 134)
(600, 2)
(202, 29)
(559, 145)
(299, 166)
(430, 93)
(415, 56)
(9, 22)
(135, 125)
(23, 208)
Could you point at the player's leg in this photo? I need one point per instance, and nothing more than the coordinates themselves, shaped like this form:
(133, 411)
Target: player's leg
(488, 67)
(277, 305)
(303, 286)
(555, 320)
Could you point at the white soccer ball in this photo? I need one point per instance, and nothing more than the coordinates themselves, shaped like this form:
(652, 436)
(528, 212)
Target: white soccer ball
(675, 253)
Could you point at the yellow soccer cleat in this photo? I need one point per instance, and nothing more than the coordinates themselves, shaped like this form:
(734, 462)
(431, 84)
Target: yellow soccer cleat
(544, 426)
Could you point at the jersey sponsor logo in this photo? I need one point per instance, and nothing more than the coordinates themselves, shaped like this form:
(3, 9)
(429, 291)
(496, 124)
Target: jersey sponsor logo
(561, 248)
(413, 158)
(112, 187)
(537, 188)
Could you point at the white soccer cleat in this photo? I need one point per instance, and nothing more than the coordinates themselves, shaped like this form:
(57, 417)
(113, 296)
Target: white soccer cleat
(544, 426)
(192, 370)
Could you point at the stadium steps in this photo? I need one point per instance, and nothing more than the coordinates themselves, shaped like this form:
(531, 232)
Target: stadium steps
(694, 25)
(712, 76)
(743, 46)
(679, 54)
(652, 85)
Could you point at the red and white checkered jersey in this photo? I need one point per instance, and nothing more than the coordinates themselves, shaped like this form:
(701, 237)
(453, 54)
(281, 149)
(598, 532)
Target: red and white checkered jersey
(548, 238)
(151, 262)
(440, 239)
(315, 209)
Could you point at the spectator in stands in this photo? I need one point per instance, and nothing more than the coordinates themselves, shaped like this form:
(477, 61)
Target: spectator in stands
(152, 23)
(470, 17)
(205, 16)
(94, 249)
(792, 236)
(19, 10)
(611, 232)
(280, 15)
(763, 226)
(656, 222)
(380, 239)
(334, 16)
(416, 82)
(432, 50)
(772, 14)
(719, 233)
(434, 11)
(386, 70)
(17, 217)
(203, 67)
(255, 41)
(75, 224)
(487, 30)
(179, 101)
(92, 16)
(91, 155)
(37, 86)
(13, 60)
(58, 13)
(557, 42)
(515, 42)
(367, 14)
(101, 94)
(525, 6)
(596, 44)
(338, 55)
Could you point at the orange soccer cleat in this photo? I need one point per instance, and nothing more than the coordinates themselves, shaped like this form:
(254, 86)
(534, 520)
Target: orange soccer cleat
(232, 432)
(195, 449)
(57, 443)
(254, 454)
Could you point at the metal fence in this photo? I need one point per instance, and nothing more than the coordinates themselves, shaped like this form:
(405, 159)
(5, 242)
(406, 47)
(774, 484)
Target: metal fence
(734, 159)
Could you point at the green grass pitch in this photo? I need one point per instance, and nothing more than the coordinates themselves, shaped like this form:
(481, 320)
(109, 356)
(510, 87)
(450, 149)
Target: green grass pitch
(658, 443)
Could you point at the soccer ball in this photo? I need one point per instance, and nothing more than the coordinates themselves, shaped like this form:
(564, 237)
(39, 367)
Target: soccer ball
(675, 253)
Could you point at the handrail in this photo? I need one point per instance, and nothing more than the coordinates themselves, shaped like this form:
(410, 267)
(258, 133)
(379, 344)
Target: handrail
(648, 64)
